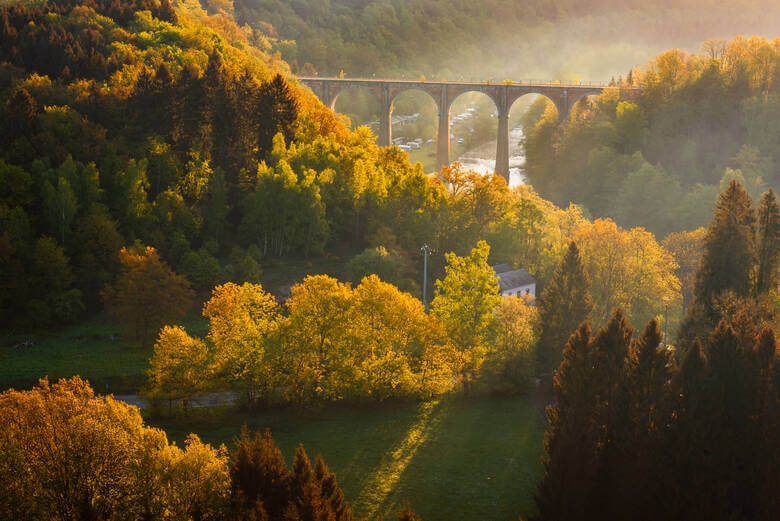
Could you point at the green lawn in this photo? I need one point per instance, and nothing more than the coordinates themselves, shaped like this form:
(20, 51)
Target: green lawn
(94, 349)
(454, 459)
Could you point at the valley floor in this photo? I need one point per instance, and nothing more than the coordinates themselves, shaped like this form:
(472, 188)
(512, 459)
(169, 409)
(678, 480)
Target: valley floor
(452, 458)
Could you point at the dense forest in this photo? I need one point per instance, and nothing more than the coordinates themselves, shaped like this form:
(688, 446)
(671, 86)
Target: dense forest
(702, 120)
(498, 39)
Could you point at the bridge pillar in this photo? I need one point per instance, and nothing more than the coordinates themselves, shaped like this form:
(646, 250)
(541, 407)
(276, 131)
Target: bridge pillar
(443, 136)
(385, 127)
(502, 147)
(385, 118)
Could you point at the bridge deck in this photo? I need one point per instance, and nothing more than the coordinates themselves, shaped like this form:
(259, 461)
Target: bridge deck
(519, 83)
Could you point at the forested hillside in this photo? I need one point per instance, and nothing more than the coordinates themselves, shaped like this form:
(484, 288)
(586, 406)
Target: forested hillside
(496, 39)
(129, 123)
(701, 121)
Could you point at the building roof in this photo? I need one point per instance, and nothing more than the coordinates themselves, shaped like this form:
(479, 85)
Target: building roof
(513, 279)
(502, 268)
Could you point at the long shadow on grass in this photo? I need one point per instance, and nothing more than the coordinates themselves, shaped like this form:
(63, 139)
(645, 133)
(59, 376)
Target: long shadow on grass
(378, 487)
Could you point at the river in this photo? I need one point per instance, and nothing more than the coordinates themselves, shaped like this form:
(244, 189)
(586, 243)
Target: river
(483, 158)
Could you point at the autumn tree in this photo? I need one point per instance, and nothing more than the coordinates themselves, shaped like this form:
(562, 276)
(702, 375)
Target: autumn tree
(407, 514)
(387, 345)
(147, 294)
(92, 457)
(686, 247)
(315, 328)
(179, 368)
(511, 358)
(564, 304)
(242, 324)
(627, 269)
(464, 303)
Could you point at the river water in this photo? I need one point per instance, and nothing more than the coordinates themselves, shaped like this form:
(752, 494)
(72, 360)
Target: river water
(483, 158)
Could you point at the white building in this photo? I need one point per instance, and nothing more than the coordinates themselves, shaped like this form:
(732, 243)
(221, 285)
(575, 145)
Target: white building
(515, 282)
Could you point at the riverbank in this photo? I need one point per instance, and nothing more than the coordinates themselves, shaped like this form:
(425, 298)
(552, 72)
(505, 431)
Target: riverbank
(481, 159)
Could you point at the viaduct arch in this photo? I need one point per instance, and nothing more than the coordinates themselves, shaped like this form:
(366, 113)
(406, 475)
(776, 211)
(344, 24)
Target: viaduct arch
(564, 96)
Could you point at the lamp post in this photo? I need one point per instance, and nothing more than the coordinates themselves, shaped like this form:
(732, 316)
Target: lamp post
(426, 251)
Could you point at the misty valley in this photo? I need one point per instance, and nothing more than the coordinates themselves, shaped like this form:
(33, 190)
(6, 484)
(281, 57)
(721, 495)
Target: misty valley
(424, 260)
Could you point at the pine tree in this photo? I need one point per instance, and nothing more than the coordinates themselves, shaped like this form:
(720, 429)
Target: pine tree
(563, 305)
(306, 502)
(19, 115)
(647, 386)
(768, 243)
(570, 441)
(260, 479)
(727, 263)
(331, 492)
(167, 13)
(611, 413)
(278, 109)
(729, 247)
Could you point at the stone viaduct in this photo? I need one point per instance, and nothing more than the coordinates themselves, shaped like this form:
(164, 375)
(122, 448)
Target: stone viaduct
(444, 93)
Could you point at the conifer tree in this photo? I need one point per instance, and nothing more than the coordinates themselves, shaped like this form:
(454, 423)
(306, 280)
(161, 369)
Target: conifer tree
(306, 503)
(727, 263)
(564, 304)
(167, 13)
(330, 491)
(570, 441)
(610, 417)
(278, 109)
(260, 479)
(649, 373)
(729, 248)
(768, 243)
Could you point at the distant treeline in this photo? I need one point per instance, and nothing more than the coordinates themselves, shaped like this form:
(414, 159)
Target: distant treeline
(486, 38)
(659, 163)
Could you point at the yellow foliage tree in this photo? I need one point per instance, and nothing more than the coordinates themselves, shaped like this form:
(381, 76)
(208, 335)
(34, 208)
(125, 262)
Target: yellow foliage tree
(315, 332)
(509, 362)
(387, 332)
(627, 269)
(179, 368)
(67, 454)
(243, 322)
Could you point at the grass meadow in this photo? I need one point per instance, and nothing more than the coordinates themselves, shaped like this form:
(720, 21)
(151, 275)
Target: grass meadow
(453, 458)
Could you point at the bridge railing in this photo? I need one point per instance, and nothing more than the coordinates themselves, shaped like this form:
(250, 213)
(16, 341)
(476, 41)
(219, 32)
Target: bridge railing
(533, 82)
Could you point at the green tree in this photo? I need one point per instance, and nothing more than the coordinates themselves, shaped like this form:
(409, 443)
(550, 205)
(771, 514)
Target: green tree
(61, 206)
(768, 243)
(51, 300)
(564, 304)
(465, 303)
(727, 263)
